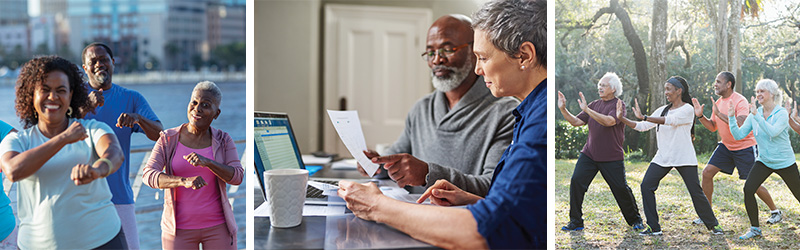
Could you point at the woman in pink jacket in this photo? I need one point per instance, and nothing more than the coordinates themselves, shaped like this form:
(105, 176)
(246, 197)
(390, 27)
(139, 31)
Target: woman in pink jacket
(185, 160)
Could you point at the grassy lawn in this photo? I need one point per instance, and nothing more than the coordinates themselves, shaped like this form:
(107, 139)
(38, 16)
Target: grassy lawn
(606, 228)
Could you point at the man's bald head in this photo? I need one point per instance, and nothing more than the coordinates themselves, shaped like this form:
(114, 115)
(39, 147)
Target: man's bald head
(454, 26)
(451, 32)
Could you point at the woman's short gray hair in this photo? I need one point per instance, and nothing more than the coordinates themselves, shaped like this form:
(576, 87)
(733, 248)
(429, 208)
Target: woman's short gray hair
(211, 87)
(509, 23)
(613, 82)
(772, 87)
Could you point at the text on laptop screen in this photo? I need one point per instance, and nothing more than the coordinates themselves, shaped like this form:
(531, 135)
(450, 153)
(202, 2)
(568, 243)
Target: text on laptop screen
(276, 146)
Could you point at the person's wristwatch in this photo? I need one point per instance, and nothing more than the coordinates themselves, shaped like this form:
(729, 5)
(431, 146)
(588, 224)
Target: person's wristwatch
(645, 118)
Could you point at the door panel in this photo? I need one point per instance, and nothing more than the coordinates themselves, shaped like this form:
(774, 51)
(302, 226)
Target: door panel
(372, 61)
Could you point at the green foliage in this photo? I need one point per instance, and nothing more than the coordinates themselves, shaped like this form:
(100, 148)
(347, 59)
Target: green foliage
(230, 55)
(636, 155)
(569, 139)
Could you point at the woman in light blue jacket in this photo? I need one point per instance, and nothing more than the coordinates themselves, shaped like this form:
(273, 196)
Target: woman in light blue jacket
(770, 125)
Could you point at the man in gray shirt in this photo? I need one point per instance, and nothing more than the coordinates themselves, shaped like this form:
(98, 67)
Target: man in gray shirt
(458, 132)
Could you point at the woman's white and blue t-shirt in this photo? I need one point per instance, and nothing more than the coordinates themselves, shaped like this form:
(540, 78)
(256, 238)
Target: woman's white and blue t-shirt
(55, 213)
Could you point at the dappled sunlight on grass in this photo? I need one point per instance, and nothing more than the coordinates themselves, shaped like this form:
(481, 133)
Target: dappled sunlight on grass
(606, 228)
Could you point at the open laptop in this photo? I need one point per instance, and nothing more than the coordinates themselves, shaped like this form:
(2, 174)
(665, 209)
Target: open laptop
(276, 148)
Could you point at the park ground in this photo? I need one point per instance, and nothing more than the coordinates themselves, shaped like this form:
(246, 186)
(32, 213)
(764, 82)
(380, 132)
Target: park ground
(606, 228)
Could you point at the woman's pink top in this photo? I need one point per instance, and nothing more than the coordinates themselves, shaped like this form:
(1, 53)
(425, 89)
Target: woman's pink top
(161, 163)
(196, 209)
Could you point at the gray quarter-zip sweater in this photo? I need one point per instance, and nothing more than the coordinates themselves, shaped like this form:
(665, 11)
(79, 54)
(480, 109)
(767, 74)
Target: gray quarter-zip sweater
(463, 144)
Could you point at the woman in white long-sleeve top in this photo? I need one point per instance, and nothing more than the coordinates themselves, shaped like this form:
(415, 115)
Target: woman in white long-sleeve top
(674, 125)
(770, 126)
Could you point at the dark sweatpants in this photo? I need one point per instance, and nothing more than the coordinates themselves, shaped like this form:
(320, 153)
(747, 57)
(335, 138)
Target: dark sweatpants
(650, 183)
(614, 174)
(118, 242)
(758, 174)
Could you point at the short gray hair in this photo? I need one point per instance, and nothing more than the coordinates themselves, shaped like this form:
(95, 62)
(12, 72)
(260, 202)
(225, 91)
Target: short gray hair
(509, 23)
(613, 82)
(772, 87)
(211, 87)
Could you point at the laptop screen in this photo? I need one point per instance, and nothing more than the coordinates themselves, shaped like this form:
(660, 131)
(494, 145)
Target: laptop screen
(276, 146)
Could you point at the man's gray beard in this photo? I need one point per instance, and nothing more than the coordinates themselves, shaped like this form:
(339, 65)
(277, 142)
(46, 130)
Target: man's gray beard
(100, 79)
(455, 78)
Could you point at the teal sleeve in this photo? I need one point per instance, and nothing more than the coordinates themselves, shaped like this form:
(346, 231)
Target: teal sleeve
(740, 132)
(780, 121)
(5, 128)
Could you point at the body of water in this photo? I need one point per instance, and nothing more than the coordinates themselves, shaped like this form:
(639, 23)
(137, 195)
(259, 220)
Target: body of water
(169, 102)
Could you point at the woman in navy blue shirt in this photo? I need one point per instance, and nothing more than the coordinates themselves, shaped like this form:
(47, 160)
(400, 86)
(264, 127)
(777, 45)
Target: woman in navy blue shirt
(511, 47)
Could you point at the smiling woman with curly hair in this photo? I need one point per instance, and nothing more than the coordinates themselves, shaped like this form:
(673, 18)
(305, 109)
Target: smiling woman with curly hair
(34, 73)
(56, 160)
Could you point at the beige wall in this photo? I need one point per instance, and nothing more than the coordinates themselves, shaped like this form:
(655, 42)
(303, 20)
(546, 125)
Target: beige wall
(288, 56)
(286, 71)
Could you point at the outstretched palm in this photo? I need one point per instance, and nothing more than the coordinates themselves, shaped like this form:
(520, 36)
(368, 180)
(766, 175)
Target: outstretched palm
(698, 109)
(636, 111)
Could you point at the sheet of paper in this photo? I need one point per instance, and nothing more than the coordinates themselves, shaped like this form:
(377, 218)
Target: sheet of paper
(348, 126)
(308, 210)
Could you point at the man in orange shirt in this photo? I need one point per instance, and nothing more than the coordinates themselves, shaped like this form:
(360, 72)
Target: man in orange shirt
(730, 153)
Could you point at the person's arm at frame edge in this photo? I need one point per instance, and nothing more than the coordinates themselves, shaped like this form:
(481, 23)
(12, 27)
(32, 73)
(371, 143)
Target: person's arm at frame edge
(449, 228)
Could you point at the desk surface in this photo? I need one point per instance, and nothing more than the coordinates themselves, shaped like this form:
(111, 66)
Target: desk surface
(310, 234)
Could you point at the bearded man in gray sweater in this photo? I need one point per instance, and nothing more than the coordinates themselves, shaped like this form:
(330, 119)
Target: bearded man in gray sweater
(458, 132)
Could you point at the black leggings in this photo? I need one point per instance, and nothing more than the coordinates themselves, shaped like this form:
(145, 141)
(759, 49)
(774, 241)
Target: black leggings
(757, 176)
(118, 242)
(614, 174)
(649, 186)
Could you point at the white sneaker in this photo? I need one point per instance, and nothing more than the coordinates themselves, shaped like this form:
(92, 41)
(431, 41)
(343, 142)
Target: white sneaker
(697, 221)
(752, 233)
(775, 217)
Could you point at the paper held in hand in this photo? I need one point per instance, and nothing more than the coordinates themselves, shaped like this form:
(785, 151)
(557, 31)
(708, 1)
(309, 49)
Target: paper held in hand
(348, 126)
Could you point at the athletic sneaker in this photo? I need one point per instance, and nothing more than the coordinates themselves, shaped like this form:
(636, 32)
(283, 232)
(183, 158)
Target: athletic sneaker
(775, 217)
(752, 233)
(697, 221)
(572, 227)
(717, 230)
(650, 232)
(638, 226)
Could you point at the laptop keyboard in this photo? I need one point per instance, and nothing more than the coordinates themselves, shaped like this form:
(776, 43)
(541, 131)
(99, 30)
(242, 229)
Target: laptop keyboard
(312, 192)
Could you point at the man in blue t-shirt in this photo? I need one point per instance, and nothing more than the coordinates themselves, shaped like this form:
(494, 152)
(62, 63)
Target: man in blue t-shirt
(126, 111)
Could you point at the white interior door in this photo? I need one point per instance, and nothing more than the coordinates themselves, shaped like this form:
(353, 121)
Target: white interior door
(373, 65)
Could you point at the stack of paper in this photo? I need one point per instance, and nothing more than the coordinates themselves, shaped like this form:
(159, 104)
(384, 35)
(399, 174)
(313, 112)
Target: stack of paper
(313, 160)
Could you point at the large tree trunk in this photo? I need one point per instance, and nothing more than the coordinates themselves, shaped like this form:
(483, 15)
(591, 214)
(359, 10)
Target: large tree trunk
(734, 36)
(639, 55)
(721, 32)
(658, 62)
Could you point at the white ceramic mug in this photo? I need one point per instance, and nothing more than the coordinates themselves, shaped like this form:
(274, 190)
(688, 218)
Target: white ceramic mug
(286, 193)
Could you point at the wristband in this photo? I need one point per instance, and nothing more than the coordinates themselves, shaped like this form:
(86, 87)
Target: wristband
(645, 118)
(107, 161)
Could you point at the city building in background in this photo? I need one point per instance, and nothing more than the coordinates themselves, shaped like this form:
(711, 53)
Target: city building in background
(14, 34)
(146, 35)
